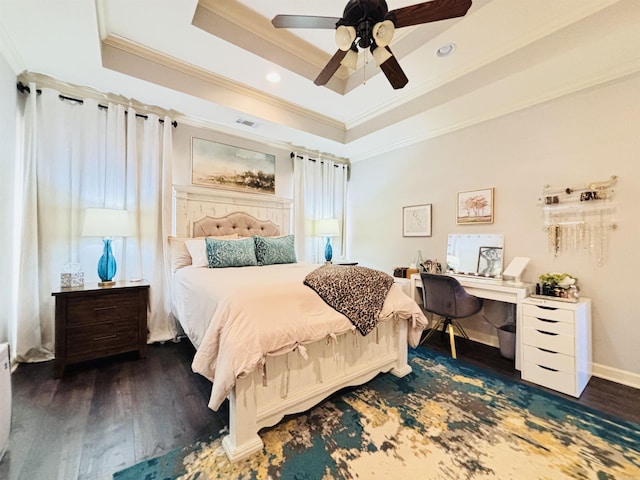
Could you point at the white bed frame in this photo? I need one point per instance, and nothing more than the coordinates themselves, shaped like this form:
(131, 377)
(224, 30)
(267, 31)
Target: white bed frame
(290, 383)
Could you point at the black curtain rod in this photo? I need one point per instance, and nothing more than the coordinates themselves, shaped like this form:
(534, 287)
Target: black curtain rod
(24, 88)
(337, 165)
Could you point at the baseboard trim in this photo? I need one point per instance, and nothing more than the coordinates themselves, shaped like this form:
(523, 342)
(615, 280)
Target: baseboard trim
(623, 377)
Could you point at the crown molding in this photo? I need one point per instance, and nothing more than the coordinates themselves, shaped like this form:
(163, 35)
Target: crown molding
(300, 117)
(243, 27)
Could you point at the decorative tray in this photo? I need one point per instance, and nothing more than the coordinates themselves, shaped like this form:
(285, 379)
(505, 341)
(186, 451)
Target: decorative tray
(551, 297)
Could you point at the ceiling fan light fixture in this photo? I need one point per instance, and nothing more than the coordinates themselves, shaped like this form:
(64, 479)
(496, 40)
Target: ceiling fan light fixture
(345, 35)
(381, 55)
(383, 33)
(350, 60)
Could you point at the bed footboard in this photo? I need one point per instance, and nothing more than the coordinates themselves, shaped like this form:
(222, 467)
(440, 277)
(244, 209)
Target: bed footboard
(291, 383)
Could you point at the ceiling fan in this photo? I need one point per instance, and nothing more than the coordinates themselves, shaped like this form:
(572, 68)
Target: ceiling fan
(370, 24)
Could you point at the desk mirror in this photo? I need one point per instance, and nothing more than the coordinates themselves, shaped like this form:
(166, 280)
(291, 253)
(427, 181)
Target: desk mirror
(479, 255)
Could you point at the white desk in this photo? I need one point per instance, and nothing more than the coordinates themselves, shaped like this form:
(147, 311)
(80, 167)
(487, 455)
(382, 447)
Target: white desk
(490, 289)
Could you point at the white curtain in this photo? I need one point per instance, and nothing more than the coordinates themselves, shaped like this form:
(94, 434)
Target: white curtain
(320, 191)
(78, 155)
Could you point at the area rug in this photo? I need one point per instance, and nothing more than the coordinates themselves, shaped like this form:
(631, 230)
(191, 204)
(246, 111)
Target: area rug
(446, 420)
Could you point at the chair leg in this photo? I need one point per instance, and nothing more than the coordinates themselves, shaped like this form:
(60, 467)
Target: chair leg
(432, 331)
(452, 341)
(445, 328)
(460, 329)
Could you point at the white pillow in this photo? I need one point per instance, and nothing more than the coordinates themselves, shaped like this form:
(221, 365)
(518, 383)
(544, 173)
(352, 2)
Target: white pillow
(197, 248)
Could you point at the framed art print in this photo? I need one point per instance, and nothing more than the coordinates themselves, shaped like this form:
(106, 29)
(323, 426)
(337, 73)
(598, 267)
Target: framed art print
(225, 166)
(416, 221)
(475, 206)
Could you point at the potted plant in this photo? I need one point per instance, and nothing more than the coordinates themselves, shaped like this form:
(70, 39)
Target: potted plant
(558, 285)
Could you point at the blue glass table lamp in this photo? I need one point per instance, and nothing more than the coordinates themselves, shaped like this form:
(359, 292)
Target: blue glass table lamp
(328, 227)
(106, 223)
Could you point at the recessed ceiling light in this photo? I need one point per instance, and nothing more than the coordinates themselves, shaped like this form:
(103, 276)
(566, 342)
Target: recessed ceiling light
(273, 77)
(446, 50)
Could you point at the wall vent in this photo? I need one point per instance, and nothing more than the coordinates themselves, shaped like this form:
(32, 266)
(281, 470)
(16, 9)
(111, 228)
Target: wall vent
(247, 123)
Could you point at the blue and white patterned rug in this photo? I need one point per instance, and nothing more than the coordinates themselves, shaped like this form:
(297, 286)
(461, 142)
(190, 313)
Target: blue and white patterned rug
(446, 420)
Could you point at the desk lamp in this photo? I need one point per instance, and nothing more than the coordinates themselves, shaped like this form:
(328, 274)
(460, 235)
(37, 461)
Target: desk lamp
(106, 223)
(328, 227)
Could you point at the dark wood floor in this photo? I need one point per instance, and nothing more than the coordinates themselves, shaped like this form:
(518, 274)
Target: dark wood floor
(107, 415)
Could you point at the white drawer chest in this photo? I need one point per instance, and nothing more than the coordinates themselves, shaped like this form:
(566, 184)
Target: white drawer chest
(556, 341)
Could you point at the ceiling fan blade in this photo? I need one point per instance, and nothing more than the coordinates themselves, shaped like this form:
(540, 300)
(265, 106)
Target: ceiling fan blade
(304, 21)
(394, 73)
(429, 12)
(330, 68)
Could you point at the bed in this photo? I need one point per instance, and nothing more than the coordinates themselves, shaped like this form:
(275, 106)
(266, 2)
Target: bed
(267, 341)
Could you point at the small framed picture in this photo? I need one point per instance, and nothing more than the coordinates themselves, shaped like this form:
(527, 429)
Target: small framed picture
(416, 221)
(475, 206)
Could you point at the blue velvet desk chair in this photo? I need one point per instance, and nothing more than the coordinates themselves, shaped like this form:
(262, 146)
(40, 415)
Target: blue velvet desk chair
(444, 296)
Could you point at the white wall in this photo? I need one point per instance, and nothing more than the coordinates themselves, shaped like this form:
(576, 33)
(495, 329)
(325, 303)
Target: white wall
(8, 110)
(587, 136)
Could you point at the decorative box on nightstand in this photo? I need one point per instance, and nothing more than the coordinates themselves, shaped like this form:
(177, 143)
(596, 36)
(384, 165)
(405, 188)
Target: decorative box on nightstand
(94, 322)
(556, 340)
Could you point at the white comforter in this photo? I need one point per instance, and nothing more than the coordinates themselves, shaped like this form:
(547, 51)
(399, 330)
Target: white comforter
(237, 316)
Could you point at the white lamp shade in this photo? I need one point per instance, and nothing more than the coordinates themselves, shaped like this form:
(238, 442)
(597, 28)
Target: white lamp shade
(328, 227)
(106, 222)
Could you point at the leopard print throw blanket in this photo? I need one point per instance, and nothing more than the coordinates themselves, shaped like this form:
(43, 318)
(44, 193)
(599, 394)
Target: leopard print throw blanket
(356, 292)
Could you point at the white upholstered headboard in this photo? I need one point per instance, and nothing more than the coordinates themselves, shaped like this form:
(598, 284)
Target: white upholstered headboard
(193, 204)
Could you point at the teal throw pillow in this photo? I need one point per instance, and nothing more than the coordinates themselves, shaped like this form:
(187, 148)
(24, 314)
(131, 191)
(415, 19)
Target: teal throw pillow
(273, 250)
(231, 253)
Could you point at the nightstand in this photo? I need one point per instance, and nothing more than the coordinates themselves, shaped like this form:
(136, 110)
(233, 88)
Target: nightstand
(95, 322)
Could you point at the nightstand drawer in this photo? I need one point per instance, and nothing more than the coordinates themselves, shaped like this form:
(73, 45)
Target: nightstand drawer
(119, 305)
(111, 336)
(549, 341)
(549, 326)
(550, 313)
(553, 360)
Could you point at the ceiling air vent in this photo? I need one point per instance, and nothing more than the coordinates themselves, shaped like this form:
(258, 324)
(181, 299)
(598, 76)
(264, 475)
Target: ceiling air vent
(247, 123)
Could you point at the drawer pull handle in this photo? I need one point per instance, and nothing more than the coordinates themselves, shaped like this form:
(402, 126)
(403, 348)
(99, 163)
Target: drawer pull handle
(549, 368)
(547, 333)
(100, 309)
(104, 337)
(547, 308)
(547, 320)
(547, 351)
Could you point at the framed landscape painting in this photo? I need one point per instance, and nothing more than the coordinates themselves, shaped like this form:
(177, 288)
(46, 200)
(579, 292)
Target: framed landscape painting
(225, 166)
(475, 206)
